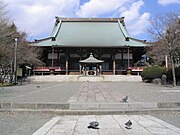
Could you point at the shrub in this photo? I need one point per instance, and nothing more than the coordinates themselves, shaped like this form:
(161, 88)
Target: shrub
(177, 72)
(153, 72)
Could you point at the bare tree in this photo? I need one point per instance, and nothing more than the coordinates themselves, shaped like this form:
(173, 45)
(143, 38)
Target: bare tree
(28, 54)
(25, 54)
(165, 29)
(157, 54)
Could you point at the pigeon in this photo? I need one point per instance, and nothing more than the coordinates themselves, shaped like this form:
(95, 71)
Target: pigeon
(128, 124)
(125, 99)
(93, 125)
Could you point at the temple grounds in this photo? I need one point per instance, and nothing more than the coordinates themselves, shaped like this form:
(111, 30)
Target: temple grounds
(28, 107)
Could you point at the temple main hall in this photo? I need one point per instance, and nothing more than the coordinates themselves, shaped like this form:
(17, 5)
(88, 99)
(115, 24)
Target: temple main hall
(89, 46)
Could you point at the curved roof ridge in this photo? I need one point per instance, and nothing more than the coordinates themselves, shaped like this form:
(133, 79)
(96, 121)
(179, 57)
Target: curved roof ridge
(39, 40)
(134, 40)
(139, 40)
(57, 27)
(123, 28)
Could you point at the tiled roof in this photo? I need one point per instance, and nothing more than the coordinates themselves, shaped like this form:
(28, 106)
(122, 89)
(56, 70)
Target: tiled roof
(90, 32)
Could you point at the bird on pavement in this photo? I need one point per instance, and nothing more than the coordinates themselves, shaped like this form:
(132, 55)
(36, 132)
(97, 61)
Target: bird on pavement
(93, 125)
(128, 124)
(124, 100)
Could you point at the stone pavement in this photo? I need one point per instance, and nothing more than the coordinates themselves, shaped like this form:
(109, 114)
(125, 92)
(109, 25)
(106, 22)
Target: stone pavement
(89, 92)
(108, 125)
(89, 96)
(95, 93)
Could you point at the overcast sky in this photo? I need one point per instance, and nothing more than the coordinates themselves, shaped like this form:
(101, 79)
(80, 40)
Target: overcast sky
(37, 17)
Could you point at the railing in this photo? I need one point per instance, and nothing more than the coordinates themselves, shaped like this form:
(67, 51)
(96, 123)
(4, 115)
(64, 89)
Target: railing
(137, 69)
(47, 69)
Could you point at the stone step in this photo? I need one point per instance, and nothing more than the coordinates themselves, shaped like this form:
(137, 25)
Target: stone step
(90, 106)
(112, 106)
(76, 78)
(93, 112)
(90, 78)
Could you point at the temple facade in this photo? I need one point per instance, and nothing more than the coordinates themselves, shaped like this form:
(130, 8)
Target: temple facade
(76, 39)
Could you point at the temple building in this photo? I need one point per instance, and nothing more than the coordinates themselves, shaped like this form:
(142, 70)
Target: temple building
(79, 45)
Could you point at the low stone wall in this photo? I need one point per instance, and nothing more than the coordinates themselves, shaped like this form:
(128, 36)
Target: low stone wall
(135, 78)
(76, 78)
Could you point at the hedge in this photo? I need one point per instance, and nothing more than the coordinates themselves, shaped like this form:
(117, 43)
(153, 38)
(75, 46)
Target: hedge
(153, 72)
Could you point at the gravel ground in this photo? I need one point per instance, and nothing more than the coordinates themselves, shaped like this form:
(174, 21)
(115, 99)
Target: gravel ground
(145, 92)
(38, 92)
(22, 123)
(172, 118)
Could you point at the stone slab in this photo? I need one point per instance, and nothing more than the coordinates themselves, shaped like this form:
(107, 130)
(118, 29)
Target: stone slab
(108, 124)
(6, 105)
(79, 106)
(52, 106)
(169, 105)
(43, 130)
(23, 106)
(112, 106)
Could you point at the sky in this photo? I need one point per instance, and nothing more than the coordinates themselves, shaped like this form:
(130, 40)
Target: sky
(37, 17)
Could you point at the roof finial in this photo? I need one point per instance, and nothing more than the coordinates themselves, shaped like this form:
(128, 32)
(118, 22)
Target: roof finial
(57, 20)
(122, 21)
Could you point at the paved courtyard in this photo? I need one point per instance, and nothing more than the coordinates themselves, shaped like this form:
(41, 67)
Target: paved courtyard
(104, 93)
(89, 92)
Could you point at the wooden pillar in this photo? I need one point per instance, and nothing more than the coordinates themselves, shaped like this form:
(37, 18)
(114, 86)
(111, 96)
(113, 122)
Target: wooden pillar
(67, 55)
(85, 69)
(122, 60)
(52, 64)
(80, 66)
(114, 67)
(100, 66)
(100, 69)
(80, 69)
(128, 57)
(114, 63)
